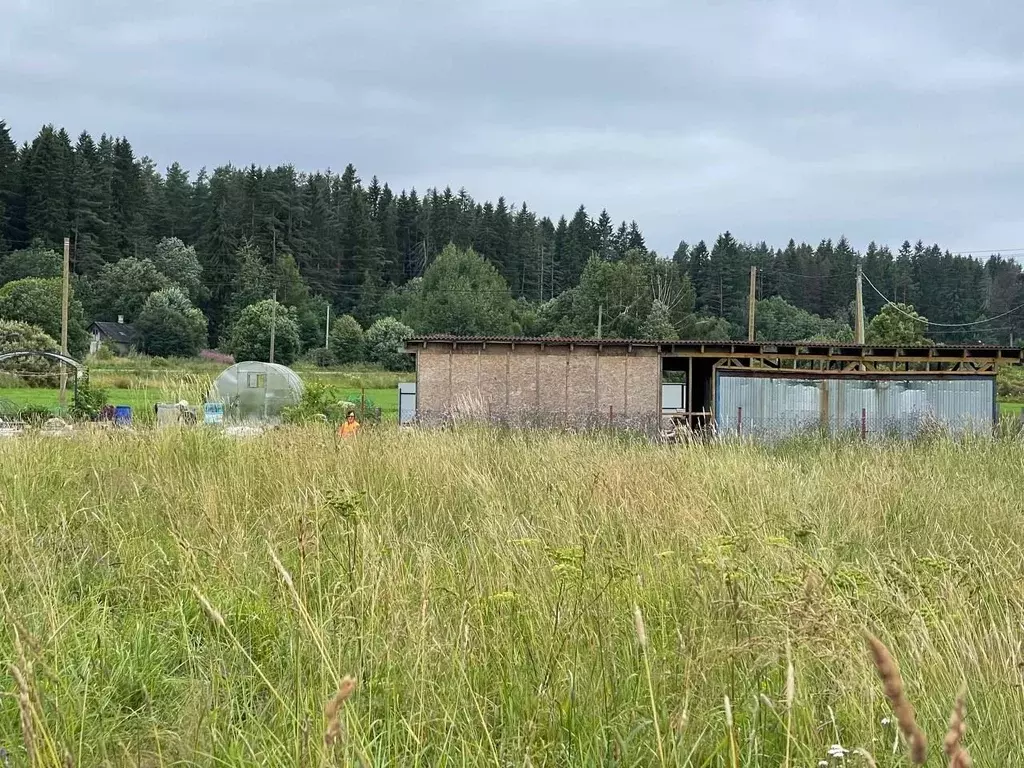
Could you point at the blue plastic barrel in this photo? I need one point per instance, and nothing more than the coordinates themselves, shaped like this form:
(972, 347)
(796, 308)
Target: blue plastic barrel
(123, 414)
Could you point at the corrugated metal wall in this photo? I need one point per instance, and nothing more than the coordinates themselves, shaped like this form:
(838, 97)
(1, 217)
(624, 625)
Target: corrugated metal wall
(751, 405)
(785, 405)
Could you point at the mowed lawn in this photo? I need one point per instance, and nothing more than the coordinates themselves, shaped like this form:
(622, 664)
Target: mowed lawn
(139, 399)
(142, 399)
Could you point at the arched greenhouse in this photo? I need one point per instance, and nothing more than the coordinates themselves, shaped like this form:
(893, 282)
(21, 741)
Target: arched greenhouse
(254, 391)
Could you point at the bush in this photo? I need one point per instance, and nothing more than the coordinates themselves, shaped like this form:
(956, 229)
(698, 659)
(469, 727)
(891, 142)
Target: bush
(250, 335)
(89, 400)
(348, 344)
(319, 403)
(169, 326)
(35, 415)
(35, 371)
(385, 344)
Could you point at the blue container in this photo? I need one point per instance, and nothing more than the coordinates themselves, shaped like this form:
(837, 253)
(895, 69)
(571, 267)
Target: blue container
(123, 414)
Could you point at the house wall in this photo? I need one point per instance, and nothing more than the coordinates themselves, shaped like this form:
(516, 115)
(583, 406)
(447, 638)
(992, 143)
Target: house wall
(558, 381)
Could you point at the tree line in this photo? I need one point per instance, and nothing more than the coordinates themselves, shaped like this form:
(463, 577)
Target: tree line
(431, 261)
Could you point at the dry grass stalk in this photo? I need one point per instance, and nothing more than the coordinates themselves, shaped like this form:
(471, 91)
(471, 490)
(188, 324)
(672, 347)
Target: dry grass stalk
(952, 745)
(901, 706)
(25, 708)
(212, 613)
(790, 697)
(867, 757)
(332, 712)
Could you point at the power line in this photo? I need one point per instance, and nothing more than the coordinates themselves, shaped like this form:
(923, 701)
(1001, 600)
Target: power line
(899, 309)
(993, 250)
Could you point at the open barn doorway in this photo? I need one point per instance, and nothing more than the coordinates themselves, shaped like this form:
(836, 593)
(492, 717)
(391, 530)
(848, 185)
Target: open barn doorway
(687, 397)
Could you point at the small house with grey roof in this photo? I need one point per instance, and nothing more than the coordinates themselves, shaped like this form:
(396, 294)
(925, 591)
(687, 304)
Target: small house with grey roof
(118, 337)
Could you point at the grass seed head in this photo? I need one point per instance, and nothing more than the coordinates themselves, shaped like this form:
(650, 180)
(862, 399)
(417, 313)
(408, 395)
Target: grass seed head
(25, 710)
(952, 745)
(866, 756)
(892, 683)
(641, 629)
(332, 712)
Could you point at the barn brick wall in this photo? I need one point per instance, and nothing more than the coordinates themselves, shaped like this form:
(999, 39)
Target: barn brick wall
(553, 380)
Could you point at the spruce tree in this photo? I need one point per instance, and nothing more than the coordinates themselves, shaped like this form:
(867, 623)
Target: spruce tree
(88, 228)
(12, 227)
(178, 200)
(46, 176)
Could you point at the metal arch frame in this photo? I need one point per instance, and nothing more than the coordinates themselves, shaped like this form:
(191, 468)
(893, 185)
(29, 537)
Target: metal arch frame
(56, 356)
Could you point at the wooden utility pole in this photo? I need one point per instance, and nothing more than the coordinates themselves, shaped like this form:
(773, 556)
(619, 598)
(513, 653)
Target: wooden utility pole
(64, 321)
(751, 303)
(273, 325)
(327, 333)
(600, 317)
(859, 319)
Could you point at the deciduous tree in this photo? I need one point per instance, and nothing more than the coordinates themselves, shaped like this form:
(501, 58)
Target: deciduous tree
(38, 301)
(250, 335)
(170, 326)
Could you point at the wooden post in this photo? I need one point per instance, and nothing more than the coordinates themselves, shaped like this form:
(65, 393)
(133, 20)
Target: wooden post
(273, 325)
(751, 303)
(863, 423)
(327, 333)
(859, 319)
(739, 421)
(64, 321)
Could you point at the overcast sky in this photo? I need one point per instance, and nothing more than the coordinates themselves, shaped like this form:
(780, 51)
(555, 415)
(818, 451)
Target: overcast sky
(874, 119)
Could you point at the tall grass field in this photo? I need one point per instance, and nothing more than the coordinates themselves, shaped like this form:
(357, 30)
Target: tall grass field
(472, 597)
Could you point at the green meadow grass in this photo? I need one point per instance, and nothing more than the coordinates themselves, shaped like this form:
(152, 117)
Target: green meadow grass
(182, 598)
(143, 398)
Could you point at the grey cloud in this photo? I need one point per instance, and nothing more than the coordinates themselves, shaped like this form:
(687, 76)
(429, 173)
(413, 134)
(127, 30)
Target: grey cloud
(786, 119)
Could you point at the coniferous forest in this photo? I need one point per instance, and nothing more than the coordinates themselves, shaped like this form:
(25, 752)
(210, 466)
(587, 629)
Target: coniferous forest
(437, 260)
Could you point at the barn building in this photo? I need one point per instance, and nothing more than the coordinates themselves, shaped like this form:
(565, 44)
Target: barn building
(745, 388)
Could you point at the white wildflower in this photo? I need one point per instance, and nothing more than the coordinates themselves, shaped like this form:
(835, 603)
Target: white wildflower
(823, 764)
(838, 751)
(886, 721)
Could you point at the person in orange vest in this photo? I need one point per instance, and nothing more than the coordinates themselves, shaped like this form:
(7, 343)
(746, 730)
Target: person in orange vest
(350, 426)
